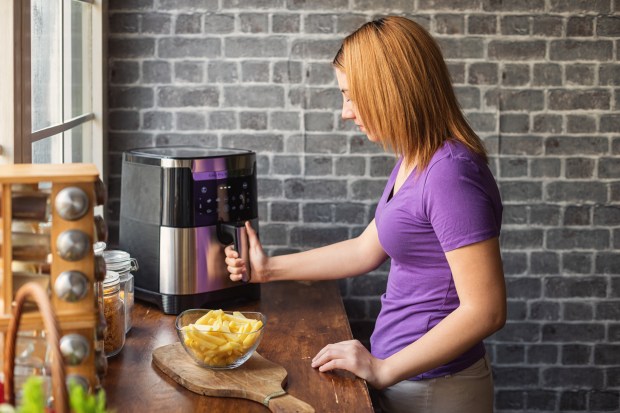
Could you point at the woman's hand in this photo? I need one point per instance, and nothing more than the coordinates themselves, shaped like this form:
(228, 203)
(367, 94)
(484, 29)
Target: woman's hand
(258, 259)
(351, 356)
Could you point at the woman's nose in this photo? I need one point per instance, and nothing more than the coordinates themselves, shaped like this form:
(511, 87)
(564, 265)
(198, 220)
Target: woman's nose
(347, 112)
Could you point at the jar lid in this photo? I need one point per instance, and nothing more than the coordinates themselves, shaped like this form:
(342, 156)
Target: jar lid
(111, 278)
(116, 256)
(99, 247)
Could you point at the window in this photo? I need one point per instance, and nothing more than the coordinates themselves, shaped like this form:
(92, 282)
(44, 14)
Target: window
(57, 76)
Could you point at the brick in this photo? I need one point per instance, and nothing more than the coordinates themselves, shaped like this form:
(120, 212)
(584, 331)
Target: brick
(284, 212)
(569, 145)
(314, 49)
(124, 23)
(607, 354)
(253, 120)
(461, 48)
(609, 74)
(541, 399)
(512, 168)
(514, 123)
(577, 215)
(157, 120)
(565, 99)
(320, 73)
(516, 310)
(607, 263)
(577, 311)
(520, 191)
(156, 23)
(130, 97)
(516, 50)
(576, 354)
(580, 6)
(482, 122)
(319, 121)
(255, 71)
(515, 25)
(605, 400)
(545, 168)
(322, 98)
(259, 142)
(521, 145)
(608, 168)
(361, 144)
(270, 188)
(173, 96)
(284, 120)
(285, 23)
(580, 124)
(348, 22)
(253, 22)
(124, 120)
(482, 24)
(522, 5)
(608, 215)
(610, 123)
(188, 24)
(577, 263)
(222, 120)
(544, 215)
(203, 5)
(523, 288)
(350, 165)
(319, 189)
(156, 71)
(189, 72)
(176, 47)
(371, 285)
(514, 214)
(608, 26)
(547, 74)
(287, 72)
(613, 376)
(200, 139)
(124, 72)
(608, 310)
(573, 332)
(319, 23)
(449, 5)
(325, 143)
(318, 165)
(514, 262)
(514, 99)
(515, 75)
(286, 165)
(254, 96)
(509, 399)
(255, 4)
(519, 332)
(565, 50)
(316, 4)
(573, 400)
(449, 24)
(542, 354)
(122, 141)
(318, 212)
(545, 263)
(319, 236)
(219, 23)
(550, 26)
(522, 239)
(195, 120)
(245, 47)
(577, 74)
(367, 190)
(222, 72)
(483, 74)
(381, 166)
(580, 26)
(579, 168)
(457, 72)
(130, 47)
(468, 97)
(521, 377)
(577, 239)
(350, 213)
(131, 5)
(509, 354)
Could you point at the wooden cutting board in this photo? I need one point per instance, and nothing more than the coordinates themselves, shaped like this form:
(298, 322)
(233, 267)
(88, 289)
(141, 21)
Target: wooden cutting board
(258, 379)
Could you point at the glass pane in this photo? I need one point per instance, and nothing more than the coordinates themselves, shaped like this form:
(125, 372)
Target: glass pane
(77, 58)
(78, 143)
(46, 63)
(48, 150)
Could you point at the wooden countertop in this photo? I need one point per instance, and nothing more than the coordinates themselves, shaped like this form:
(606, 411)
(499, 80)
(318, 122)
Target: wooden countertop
(302, 318)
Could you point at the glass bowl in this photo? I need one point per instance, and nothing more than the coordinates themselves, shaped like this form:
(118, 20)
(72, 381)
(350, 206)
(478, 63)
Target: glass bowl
(219, 339)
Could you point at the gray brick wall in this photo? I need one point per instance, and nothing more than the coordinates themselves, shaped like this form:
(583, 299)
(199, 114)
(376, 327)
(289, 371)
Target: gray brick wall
(538, 79)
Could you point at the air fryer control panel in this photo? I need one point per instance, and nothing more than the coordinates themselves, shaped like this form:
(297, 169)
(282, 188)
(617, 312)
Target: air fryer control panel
(219, 197)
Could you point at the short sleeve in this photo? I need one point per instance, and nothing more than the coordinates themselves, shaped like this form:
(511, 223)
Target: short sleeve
(461, 201)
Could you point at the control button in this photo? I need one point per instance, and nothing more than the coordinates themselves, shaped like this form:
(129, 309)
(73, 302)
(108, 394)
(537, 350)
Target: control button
(203, 189)
(234, 208)
(209, 211)
(241, 207)
(245, 185)
(209, 200)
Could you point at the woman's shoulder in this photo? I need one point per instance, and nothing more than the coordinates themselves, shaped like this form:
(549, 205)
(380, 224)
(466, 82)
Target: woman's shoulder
(454, 156)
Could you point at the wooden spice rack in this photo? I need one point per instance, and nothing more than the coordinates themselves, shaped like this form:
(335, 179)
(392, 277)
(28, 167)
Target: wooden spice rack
(79, 317)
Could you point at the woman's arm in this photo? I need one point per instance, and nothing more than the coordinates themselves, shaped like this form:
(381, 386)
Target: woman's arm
(340, 260)
(479, 280)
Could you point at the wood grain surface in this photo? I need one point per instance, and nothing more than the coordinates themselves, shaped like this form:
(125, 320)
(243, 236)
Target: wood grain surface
(258, 379)
(301, 319)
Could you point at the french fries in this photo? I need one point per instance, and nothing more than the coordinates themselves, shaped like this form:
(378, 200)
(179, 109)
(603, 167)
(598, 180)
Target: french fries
(219, 339)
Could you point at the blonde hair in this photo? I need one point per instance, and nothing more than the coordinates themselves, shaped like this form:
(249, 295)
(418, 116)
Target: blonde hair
(401, 87)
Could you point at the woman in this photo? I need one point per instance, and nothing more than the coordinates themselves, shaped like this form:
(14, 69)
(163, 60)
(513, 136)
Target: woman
(438, 220)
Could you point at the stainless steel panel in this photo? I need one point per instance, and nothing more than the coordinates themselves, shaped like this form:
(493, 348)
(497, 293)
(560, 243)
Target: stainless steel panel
(191, 261)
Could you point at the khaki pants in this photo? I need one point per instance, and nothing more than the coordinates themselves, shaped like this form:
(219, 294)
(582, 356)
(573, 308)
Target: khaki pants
(468, 391)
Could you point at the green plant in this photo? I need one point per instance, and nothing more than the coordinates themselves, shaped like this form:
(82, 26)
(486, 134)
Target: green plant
(33, 396)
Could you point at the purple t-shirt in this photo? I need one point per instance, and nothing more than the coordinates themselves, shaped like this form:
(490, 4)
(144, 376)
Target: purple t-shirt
(454, 202)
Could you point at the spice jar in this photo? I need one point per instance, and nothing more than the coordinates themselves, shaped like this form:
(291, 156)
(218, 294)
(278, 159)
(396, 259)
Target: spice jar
(114, 312)
(120, 262)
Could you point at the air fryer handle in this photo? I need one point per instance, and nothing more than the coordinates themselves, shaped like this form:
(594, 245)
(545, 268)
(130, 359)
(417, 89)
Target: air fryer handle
(241, 244)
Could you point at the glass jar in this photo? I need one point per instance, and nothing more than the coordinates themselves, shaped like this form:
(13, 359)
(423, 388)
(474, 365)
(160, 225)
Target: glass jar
(120, 262)
(114, 312)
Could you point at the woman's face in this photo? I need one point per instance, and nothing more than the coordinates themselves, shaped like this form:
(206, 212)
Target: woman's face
(349, 111)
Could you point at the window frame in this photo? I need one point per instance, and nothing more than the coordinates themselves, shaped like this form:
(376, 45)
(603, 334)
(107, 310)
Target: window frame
(15, 86)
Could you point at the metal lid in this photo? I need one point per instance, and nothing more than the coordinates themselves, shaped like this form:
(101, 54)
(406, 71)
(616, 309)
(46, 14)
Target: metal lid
(187, 152)
(111, 278)
(115, 256)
